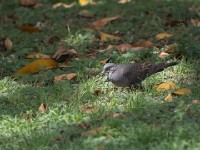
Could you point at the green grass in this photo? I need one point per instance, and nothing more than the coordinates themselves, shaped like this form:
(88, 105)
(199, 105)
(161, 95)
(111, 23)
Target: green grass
(150, 123)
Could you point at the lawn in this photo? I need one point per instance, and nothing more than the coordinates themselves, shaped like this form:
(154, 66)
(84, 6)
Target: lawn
(39, 111)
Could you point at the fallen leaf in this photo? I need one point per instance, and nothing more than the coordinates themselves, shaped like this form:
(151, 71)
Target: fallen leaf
(69, 76)
(123, 47)
(8, 43)
(195, 22)
(99, 24)
(27, 28)
(163, 35)
(104, 61)
(170, 49)
(37, 55)
(36, 65)
(166, 86)
(62, 54)
(104, 37)
(85, 13)
(182, 91)
(163, 55)
(84, 2)
(89, 109)
(123, 1)
(85, 125)
(196, 101)
(28, 3)
(42, 108)
(57, 5)
(143, 43)
(118, 115)
(92, 132)
(169, 97)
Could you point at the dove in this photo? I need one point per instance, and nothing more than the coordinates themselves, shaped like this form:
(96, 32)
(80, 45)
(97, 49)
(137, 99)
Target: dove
(132, 74)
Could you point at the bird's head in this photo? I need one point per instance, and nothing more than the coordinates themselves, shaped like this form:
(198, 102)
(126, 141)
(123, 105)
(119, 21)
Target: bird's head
(109, 68)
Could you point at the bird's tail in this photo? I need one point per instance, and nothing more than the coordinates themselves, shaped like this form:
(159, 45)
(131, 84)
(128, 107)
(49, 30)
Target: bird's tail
(162, 66)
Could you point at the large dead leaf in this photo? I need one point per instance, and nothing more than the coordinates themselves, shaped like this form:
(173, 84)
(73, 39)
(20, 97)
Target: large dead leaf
(8, 44)
(169, 97)
(105, 37)
(69, 76)
(182, 91)
(27, 28)
(57, 5)
(37, 55)
(42, 108)
(92, 132)
(89, 109)
(163, 35)
(166, 86)
(99, 24)
(36, 65)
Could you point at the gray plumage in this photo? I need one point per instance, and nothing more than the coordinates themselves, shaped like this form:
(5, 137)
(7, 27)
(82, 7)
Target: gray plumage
(132, 74)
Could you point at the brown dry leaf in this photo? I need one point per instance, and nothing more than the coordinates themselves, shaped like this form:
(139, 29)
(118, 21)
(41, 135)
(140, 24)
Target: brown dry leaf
(118, 115)
(37, 55)
(170, 50)
(163, 55)
(85, 125)
(182, 91)
(99, 24)
(69, 76)
(89, 109)
(195, 22)
(165, 86)
(85, 13)
(27, 28)
(104, 61)
(123, 47)
(28, 3)
(143, 43)
(57, 5)
(62, 52)
(36, 65)
(42, 108)
(196, 101)
(8, 44)
(104, 37)
(163, 35)
(92, 132)
(169, 97)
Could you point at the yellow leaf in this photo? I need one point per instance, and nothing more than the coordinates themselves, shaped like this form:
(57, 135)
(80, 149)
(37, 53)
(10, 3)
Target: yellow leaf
(36, 65)
(69, 76)
(92, 132)
(165, 86)
(169, 97)
(84, 2)
(8, 43)
(182, 91)
(163, 35)
(104, 37)
(37, 55)
(104, 61)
